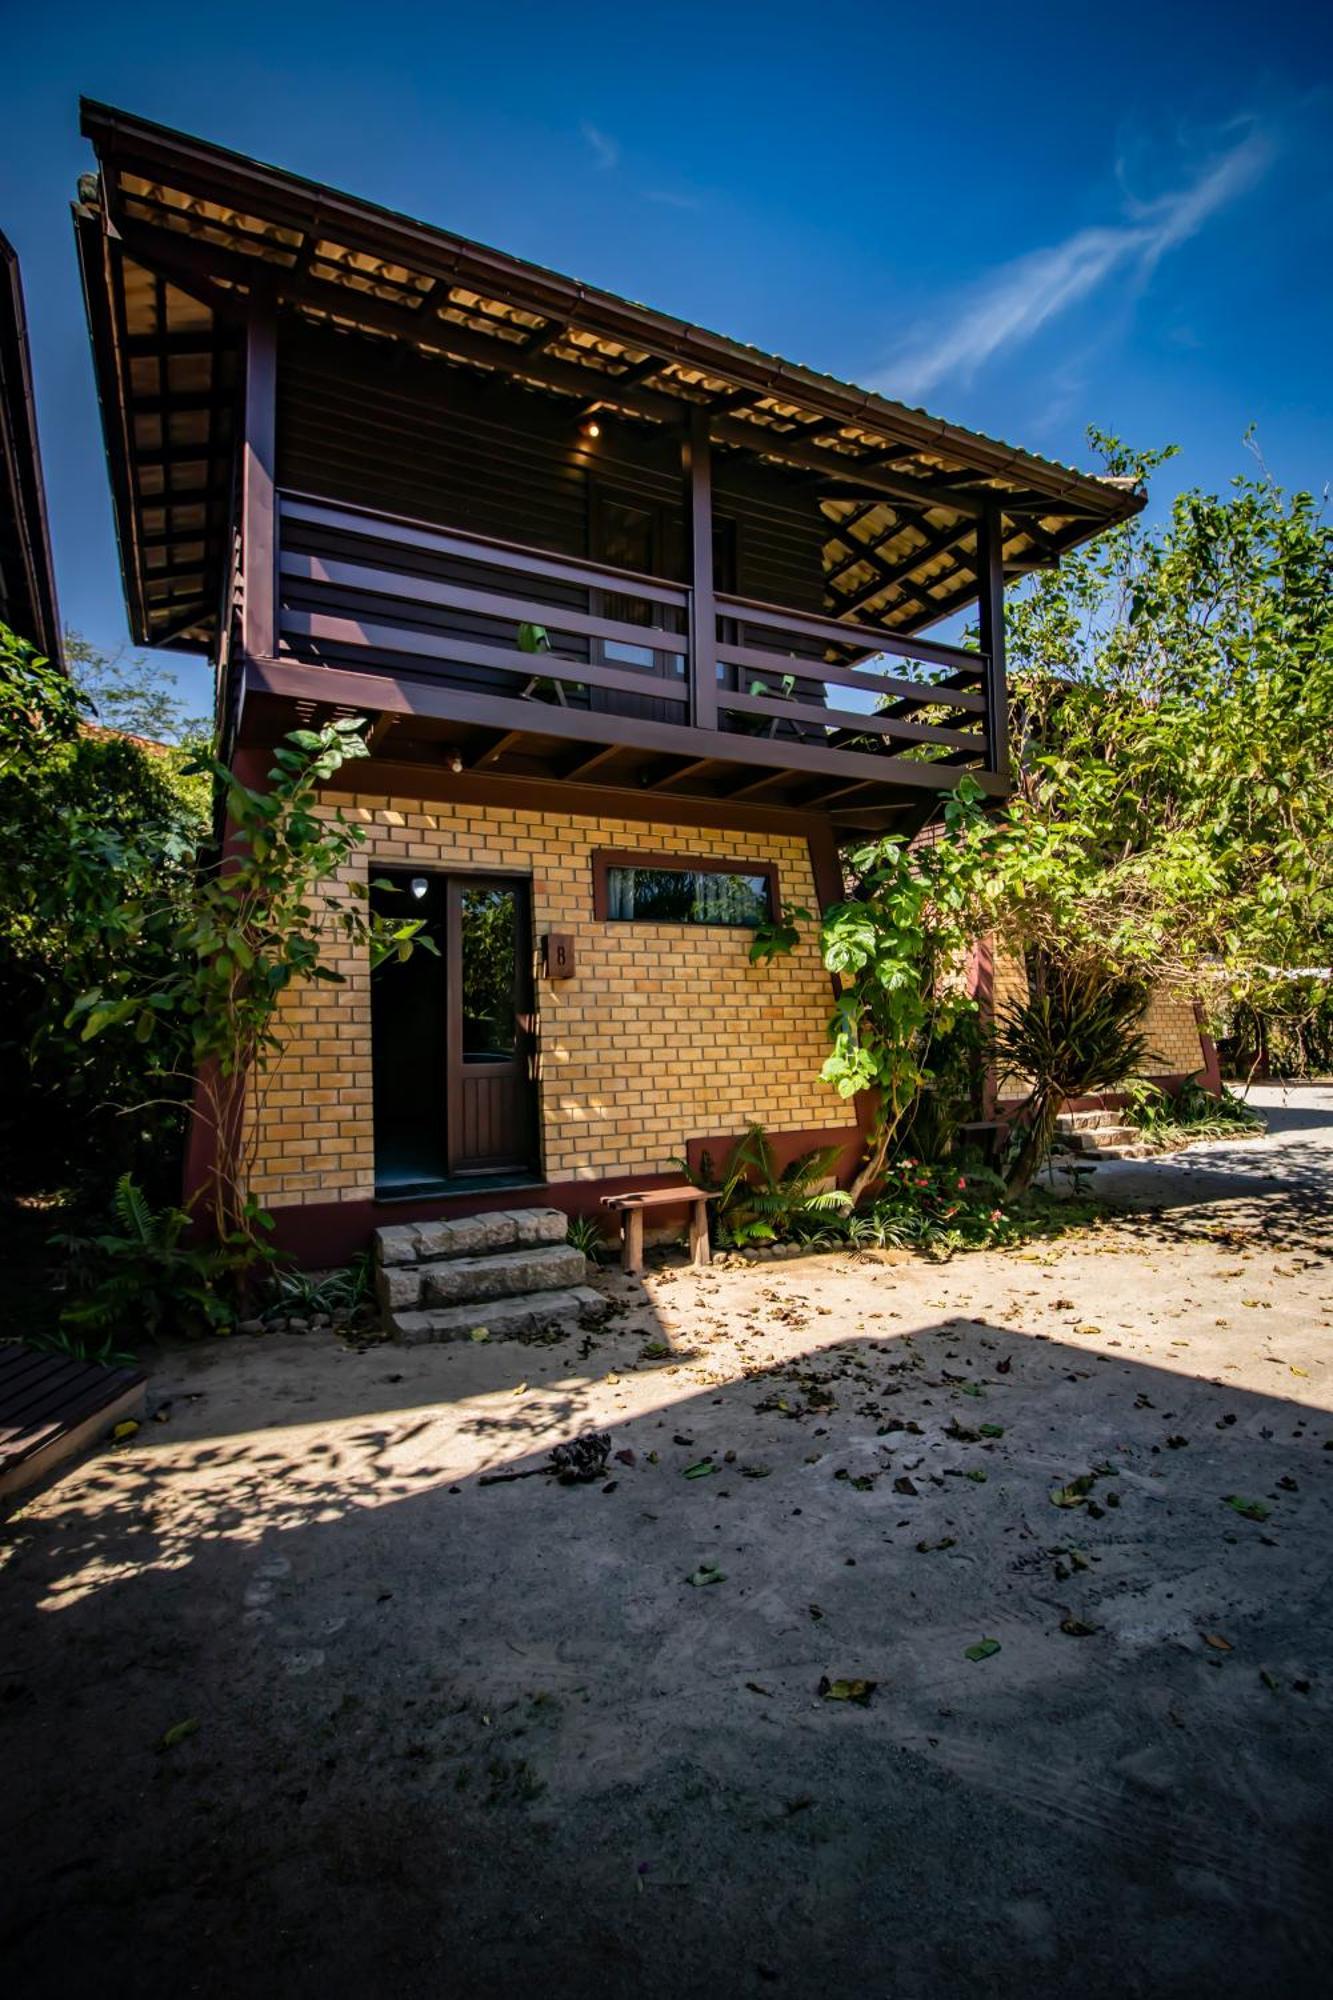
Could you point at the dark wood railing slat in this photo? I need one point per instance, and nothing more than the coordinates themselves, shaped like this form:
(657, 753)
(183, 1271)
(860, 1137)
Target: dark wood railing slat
(848, 719)
(869, 637)
(474, 548)
(925, 693)
(438, 646)
(486, 603)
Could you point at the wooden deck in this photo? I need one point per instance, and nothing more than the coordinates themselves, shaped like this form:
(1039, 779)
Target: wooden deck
(52, 1407)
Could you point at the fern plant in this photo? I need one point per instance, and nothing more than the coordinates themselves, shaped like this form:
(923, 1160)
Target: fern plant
(758, 1202)
(141, 1280)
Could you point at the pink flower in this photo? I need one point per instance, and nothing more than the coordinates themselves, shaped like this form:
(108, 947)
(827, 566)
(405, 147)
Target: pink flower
(961, 1181)
(997, 1215)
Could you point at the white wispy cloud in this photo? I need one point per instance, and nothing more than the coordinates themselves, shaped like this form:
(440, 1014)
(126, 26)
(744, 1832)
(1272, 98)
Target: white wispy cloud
(605, 149)
(1019, 298)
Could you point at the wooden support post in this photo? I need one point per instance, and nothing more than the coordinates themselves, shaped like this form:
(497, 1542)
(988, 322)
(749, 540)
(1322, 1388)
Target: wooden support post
(990, 605)
(697, 459)
(701, 1251)
(259, 554)
(631, 1257)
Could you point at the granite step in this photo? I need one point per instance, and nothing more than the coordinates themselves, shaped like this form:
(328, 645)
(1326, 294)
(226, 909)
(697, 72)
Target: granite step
(1086, 1121)
(469, 1235)
(504, 1319)
(1103, 1137)
(457, 1281)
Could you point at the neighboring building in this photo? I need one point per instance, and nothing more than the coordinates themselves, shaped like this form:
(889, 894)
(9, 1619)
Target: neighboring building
(615, 595)
(27, 579)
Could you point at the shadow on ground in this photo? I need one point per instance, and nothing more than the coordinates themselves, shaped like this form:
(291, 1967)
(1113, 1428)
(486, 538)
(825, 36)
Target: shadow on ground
(477, 1739)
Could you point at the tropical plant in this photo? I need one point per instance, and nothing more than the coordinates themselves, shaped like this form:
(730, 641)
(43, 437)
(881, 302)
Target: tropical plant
(1074, 1035)
(760, 1202)
(77, 1347)
(1192, 1113)
(342, 1291)
(142, 1279)
(584, 1233)
(97, 842)
(899, 947)
(776, 936)
(257, 921)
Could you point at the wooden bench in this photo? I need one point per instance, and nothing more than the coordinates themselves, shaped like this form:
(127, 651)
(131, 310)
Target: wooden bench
(630, 1209)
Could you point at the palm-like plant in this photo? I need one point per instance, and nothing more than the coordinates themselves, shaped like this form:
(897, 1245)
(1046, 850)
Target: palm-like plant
(1074, 1035)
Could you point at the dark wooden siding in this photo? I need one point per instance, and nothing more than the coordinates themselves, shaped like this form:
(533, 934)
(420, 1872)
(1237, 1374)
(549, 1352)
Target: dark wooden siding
(439, 443)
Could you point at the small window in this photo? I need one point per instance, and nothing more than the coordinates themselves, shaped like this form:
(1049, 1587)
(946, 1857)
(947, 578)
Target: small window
(660, 889)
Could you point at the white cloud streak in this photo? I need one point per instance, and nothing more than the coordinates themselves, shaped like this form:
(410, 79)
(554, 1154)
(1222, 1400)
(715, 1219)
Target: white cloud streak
(605, 149)
(1021, 297)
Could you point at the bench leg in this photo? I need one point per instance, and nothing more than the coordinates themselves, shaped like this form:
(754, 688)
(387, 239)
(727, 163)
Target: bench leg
(631, 1249)
(700, 1249)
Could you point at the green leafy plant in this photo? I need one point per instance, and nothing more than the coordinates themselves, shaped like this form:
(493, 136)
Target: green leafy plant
(77, 1347)
(143, 1278)
(343, 1290)
(585, 1233)
(1073, 1036)
(258, 921)
(760, 1202)
(1193, 1113)
(897, 947)
(776, 936)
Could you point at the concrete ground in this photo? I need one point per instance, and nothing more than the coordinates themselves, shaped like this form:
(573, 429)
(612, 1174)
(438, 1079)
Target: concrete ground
(294, 1703)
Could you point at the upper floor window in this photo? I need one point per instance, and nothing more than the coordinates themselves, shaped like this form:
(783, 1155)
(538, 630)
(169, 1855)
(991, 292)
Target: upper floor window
(672, 889)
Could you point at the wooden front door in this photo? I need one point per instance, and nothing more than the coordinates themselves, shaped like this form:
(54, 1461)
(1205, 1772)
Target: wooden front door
(491, 1123)
(452, 1033)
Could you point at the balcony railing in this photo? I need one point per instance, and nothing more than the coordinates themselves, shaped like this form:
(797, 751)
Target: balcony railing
(516, 638)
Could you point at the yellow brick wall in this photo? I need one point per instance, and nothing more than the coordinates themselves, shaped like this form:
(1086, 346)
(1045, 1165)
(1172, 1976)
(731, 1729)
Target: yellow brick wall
(1168, 1022)
(666, 1032)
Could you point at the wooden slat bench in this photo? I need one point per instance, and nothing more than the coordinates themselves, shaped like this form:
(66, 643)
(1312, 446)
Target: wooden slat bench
(52, 1407)
(630, 1209)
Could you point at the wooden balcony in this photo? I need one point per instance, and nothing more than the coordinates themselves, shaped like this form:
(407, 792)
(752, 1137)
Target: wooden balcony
(516, 660)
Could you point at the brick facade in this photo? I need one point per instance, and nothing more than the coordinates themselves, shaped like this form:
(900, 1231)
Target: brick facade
(666, 1033)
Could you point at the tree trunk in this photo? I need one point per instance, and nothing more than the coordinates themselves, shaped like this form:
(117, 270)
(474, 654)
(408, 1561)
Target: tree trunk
(1036, 1142)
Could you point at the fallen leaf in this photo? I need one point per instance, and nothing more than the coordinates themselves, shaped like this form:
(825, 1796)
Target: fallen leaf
(521, 1390)
(706, 1573)
(700, 1470)
(1217, 1642)
(1269, 1680)
(976, 1475)
(992, 1430)
(480, 1333)
(755, 1688)
(179, 1731)
(858, 1691)
(125, 1430)
(983, 1649)
(1074, 1628)
(1253, 1510)
(626, 1457)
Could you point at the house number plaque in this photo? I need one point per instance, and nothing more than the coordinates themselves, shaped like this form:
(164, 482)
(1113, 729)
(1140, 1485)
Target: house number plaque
(559, 955)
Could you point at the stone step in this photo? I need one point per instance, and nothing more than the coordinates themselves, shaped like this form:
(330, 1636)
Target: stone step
(1085, 1121)
(1137, 1151)
(504, 1319)
(1104, 1135)
(469, 1235)
(457, 1281)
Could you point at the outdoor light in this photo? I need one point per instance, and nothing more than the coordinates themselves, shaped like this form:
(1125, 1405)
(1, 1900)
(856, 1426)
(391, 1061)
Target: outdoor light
(590, 428)
(418, 885)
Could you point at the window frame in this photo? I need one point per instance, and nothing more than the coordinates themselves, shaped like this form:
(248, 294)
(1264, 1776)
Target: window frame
(604, 859)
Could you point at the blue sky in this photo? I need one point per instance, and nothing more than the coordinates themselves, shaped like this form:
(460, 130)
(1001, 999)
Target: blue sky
(1119, 216)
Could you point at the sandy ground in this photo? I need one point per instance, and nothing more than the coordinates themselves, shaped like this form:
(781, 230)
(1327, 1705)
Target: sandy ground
(457, 1738)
